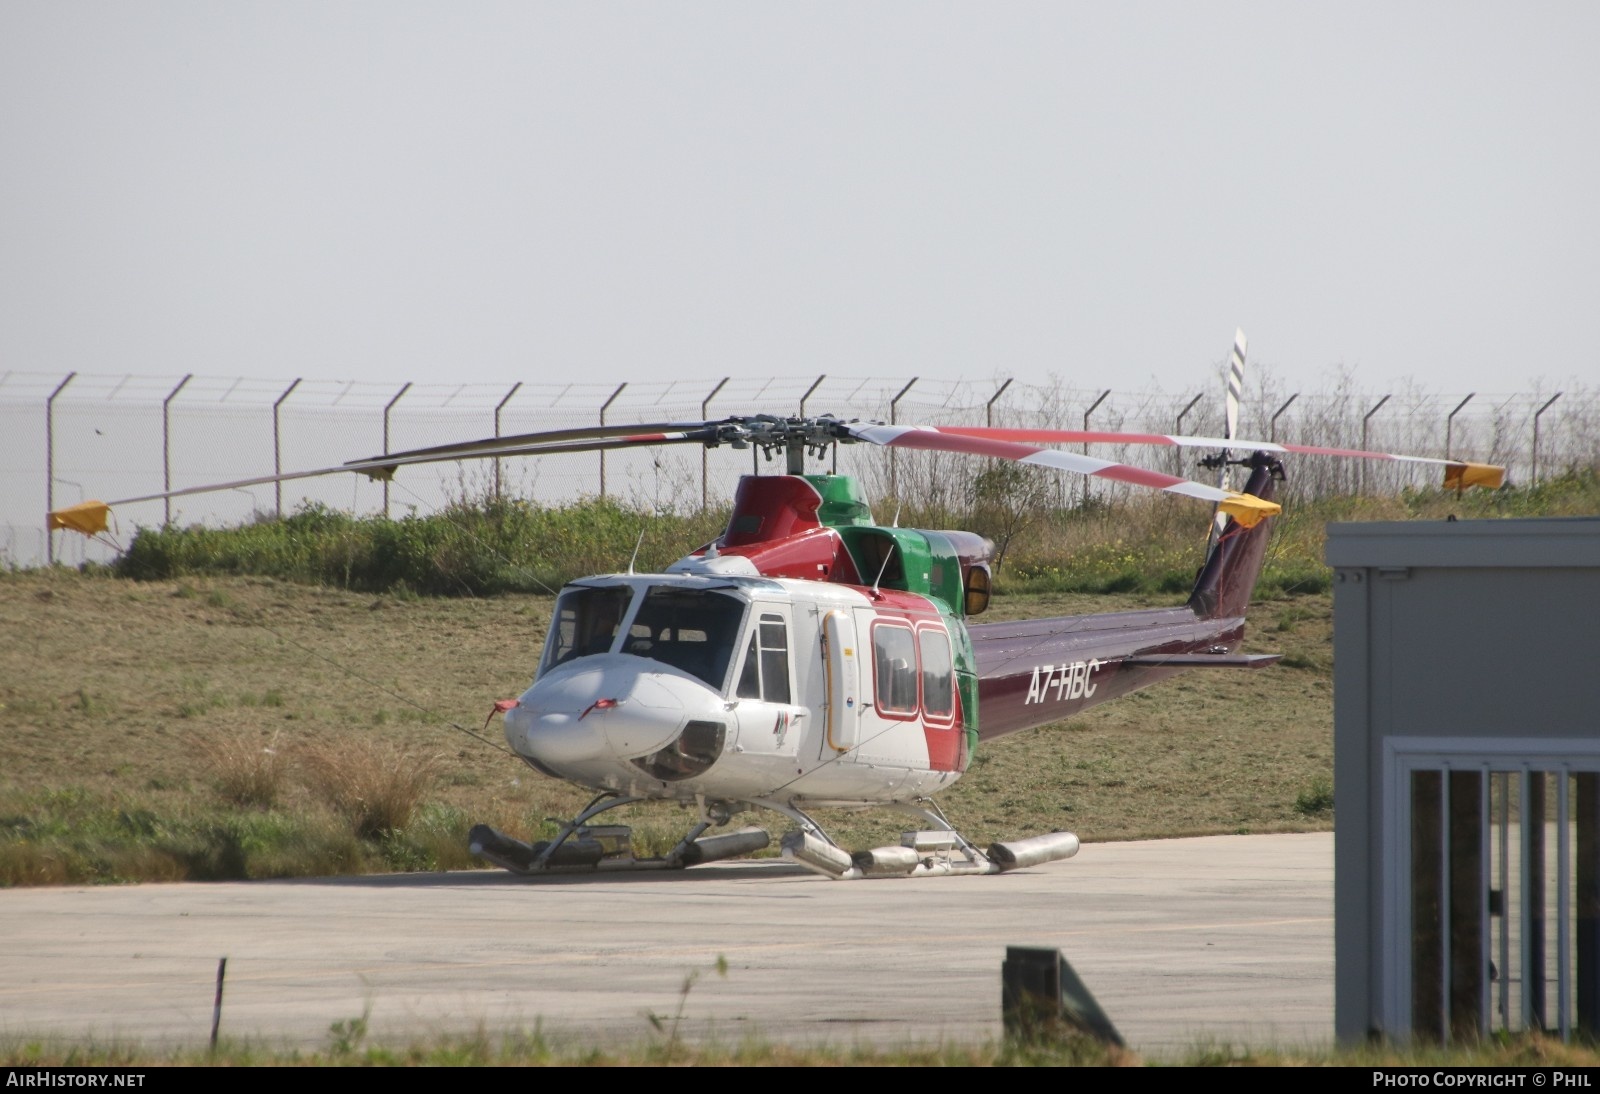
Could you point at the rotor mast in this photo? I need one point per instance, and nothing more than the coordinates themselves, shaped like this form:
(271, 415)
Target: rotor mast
(795, 451)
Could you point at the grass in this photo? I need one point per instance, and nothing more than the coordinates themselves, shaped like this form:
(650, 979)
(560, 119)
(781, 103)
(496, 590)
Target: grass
(483, 547)
(1154, 544)
(147, 733)
(491, 546)
(349, 1044)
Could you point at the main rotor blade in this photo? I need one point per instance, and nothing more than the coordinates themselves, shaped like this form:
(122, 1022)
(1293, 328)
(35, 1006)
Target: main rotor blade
(1245, 508)
(1458, 473)
(482, 448)
(383, 467)
(91, 515)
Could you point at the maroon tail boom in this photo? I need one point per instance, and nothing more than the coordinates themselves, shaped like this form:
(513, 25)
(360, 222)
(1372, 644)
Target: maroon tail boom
(1033, 672)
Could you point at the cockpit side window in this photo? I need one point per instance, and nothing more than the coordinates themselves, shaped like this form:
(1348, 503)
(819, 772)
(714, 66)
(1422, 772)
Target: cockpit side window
(586, 622)
(750, 675)
(765, 674)
(774, 659)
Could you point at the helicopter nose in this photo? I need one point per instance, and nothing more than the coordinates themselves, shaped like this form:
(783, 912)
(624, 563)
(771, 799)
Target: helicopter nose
(607, 706)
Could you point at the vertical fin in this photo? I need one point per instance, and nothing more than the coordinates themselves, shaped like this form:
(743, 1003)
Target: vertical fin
(1234, 562)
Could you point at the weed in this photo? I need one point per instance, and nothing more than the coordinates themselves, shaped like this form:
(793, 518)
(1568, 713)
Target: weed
(1315, 800)
(661, 1024)
(245, 771)
(376, 785)
(347, 1034)
(435, 840)
(198, 707)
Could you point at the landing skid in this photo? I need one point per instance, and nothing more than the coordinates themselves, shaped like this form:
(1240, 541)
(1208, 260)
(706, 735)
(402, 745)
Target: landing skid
(582, 846)
(937, 850)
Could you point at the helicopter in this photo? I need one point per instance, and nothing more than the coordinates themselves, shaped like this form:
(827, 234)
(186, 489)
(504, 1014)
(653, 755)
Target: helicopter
(811, 658)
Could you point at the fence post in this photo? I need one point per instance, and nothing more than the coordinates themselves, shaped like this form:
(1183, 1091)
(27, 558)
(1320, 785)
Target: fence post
(1367, 417)
(277, 449)
(1177, 429)
(1273, 433)
(894, 466)
(705, 410)
(1450, 421)
(814, 385)
(498, 408)
(988, 408)
(1092, 407)
(799, 468)
(1177, 426)
(1536, 415)
(386, 408)
(50, 467)
(166, 447)
(603, 408)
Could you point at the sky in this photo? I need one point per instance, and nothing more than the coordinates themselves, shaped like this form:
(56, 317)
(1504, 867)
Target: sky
(490, 192)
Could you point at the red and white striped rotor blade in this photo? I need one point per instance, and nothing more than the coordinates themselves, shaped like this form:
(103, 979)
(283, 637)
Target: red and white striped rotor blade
(1457, 472)
(1231, 423)
(1235, 380)
(1245, 508)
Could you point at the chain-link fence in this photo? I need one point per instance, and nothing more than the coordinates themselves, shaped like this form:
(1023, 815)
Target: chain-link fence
(67, 438)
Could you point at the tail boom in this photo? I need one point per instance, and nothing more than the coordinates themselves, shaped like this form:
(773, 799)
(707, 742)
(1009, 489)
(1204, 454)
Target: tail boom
(1037, 671)
(1040, 671)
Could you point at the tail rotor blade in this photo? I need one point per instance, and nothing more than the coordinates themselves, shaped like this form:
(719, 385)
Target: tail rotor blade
(1231, 429)
(1235, 381)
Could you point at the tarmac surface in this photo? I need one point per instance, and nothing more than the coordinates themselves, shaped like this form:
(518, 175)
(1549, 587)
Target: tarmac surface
(1219, 940)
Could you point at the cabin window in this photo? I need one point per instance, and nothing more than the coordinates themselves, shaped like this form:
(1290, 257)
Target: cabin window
(894, 655)
(766, 663)
(689, 629)
(938, 674)
(586, 622)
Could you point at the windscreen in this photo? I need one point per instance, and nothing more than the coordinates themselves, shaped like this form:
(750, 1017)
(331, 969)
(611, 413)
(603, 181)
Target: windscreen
(690, 629)
(586, 622)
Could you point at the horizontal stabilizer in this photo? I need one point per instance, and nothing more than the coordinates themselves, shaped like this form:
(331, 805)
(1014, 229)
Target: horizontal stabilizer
(1206, 660)
(1459, 476)
(88, 517)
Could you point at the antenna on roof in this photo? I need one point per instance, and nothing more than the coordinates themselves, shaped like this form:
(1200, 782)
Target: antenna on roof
(887, 555)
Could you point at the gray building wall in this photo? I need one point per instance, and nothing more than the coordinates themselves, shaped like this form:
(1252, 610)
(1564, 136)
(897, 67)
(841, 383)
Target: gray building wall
(1469, 631)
